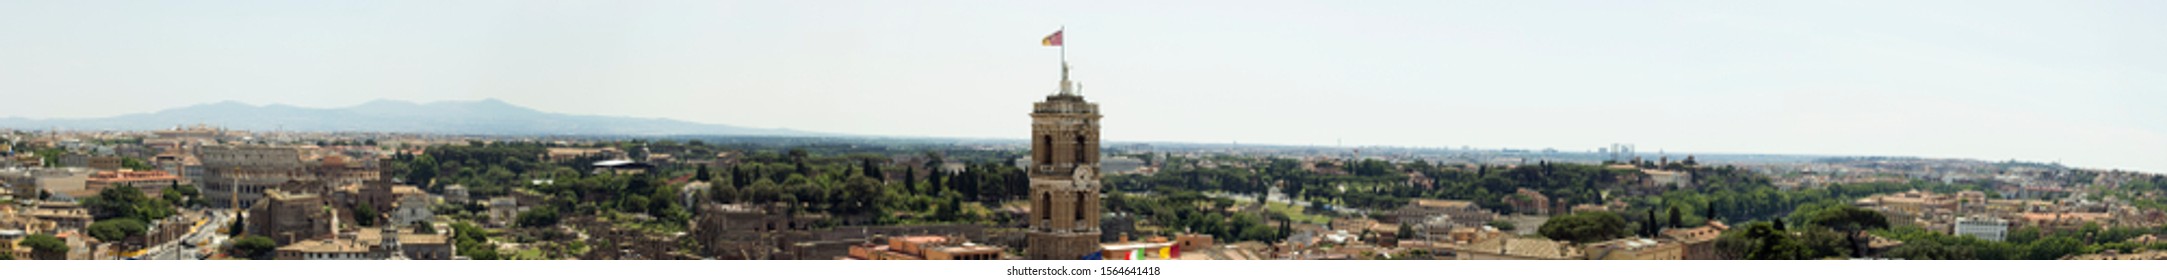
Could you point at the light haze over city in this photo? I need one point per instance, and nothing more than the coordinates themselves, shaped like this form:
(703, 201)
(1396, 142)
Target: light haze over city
(2073, 82)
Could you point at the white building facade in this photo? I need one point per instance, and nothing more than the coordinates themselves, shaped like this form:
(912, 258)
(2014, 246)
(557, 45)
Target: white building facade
(1982, 227)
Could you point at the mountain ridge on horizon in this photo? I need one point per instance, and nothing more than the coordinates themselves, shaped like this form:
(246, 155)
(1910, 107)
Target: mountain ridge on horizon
(487, 116)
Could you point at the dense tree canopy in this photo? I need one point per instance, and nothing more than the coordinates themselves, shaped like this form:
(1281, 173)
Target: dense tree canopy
(116, 229)
(1585, 227)
(125, 201)
(543, 216)
(254, 247)
(365, 214)
(473, 242)
(44, 245)
(1850, 221)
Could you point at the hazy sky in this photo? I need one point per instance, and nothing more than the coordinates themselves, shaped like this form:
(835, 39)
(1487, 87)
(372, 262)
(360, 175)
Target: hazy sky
(2081, 82)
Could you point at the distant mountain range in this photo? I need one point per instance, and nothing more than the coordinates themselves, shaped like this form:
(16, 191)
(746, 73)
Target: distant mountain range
(481, 117)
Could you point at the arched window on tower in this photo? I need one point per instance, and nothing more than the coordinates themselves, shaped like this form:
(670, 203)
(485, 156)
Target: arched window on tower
(1045, 149)
(1079, 207)
(1081, 149)
(1045, 212)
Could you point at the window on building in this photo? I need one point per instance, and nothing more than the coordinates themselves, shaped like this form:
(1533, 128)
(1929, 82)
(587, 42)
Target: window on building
(1045, 149)
(1045, 209)
(1081, 149)
(1079, 206)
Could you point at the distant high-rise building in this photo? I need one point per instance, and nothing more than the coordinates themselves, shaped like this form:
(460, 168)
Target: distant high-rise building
(1064, 222)
(1620, 152)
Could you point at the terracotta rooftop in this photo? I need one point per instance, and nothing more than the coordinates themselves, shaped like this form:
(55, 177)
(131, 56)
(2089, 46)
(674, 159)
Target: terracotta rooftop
(1439, 203)
(1525, 247)
(328, 246)
(132, 176)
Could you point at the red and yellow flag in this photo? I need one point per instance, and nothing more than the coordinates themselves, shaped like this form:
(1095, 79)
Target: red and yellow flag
(1051, 40)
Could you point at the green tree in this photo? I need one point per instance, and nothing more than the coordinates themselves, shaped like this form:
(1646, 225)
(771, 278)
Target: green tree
(254, 247)
(636, 203)
(422, 170)
(542, 216)
(1503, 225)
(763, 192)
(473, 242)
(702, 174)
(1852, 222)
(2023, 235)
(1648, 226)
(365, 214)
(125, 201)
(2053, 248)
(723, 194)
(861, 195)
(113, 230)
(422, 227)
(1710, 212)
(135, 164)
(1286, 228)
(240, 225)
(910, 179)
(872, 169)
(173, 196)
(951, 210)
(1676, 219)
(45, 247)
(1585, 227)
(1764, 242)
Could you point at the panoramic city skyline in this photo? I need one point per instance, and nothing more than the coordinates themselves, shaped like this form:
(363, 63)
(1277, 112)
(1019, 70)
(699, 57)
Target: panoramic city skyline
(1995, 81)
(736, 134)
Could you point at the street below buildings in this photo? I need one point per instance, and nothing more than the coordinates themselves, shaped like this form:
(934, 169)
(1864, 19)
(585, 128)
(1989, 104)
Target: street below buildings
(191, 246)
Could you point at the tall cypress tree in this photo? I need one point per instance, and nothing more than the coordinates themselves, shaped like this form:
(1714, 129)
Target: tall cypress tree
(1286, 228)
(873, 170)
(935, 180)
(1676, 220)
(1711, 212)
(1648, 228)
(738, 179)
(910, 179)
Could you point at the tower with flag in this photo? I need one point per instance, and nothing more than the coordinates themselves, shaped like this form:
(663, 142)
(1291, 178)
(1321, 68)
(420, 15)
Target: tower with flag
(1055, 40)
(1064, 191)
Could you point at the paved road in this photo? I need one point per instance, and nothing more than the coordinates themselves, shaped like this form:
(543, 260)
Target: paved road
(175, 250)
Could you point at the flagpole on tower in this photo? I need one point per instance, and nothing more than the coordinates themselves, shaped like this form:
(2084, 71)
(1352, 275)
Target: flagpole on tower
(1055, 41)
(1064, 47)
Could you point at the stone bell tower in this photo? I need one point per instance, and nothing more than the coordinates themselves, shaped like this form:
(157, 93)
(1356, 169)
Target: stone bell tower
(1064, 176)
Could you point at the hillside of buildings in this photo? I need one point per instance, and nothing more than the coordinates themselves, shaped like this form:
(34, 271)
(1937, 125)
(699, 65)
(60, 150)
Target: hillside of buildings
(170, 194)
